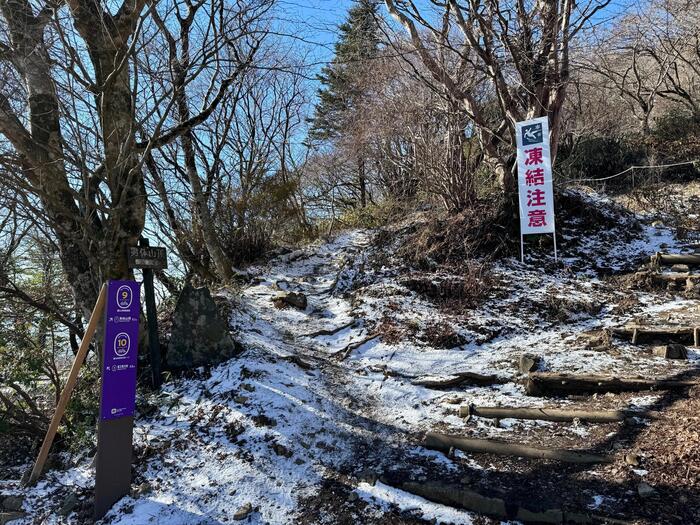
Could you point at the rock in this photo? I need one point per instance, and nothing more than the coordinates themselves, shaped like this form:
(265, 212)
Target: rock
(353, 497)
(645, 490)
(233, 430)
(199, 335)
(632, 459)
(261, 420)
(243, 512)
(657, 224)
(528, 363)
(143, 489)
(671, 351)
(7, 517)
(13, 503)
(69, 504)
(680, 268)
(294, 299)
(281, 450)
(241, 400)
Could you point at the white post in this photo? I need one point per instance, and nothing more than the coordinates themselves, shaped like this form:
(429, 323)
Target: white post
(556, 259)
(522, 249)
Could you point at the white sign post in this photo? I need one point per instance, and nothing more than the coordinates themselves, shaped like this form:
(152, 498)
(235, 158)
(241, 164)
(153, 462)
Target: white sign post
(535, 180)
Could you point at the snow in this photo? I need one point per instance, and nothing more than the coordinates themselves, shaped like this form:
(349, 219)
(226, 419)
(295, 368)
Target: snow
(259, 429)
(385, 496)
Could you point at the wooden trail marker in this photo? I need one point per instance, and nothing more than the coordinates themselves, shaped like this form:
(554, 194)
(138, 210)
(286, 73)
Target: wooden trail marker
(70, 385)
(149, 258)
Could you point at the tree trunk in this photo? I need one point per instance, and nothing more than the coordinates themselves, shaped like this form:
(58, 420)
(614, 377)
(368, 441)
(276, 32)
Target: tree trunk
(362, 179)
(43, 153)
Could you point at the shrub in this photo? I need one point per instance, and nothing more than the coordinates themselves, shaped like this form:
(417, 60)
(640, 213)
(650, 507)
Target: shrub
(597, 157)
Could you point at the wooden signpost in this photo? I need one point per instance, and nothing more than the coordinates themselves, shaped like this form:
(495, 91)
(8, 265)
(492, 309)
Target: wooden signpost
(149, 258)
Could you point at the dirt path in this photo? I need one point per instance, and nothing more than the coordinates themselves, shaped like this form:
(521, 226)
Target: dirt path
(320, 420)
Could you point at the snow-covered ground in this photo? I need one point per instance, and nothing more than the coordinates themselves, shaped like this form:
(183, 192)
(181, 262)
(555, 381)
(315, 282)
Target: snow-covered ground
(321, 402)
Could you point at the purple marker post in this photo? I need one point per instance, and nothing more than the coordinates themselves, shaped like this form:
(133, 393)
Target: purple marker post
(115, 429)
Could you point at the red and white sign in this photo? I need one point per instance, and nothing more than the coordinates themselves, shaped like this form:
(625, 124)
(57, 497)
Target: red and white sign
(535, 177)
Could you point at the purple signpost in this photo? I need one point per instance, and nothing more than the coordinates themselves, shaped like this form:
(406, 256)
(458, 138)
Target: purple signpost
(114, 434)
(120, 350)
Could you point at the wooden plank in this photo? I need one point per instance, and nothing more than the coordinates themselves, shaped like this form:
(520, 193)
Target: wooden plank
(69, 386)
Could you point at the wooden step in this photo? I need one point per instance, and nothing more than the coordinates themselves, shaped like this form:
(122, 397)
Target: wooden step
(665, 334)
(669, 259)
(552, 383)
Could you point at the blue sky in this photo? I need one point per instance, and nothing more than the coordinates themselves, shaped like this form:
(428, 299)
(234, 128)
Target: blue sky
(316, 21)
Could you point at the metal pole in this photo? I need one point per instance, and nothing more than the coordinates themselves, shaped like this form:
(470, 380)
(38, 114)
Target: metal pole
(556, 259)
(152, 317)
(522, 249)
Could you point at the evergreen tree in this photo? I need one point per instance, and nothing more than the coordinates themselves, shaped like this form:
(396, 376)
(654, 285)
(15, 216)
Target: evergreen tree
(342, 79)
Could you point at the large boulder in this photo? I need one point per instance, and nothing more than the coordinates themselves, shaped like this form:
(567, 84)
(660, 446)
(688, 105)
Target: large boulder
(199, 336)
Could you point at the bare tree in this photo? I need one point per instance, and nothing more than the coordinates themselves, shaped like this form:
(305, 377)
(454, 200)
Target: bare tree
(79, 124)
(520, 54)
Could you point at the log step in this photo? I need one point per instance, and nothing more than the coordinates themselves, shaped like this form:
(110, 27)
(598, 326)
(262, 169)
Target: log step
(551, 414)
(672, 334)
(457, 496)
(668, 259)
(445, 442)
(552, 383)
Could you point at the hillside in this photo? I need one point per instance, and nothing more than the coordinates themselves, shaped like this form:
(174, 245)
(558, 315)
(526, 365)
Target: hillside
(321, 418)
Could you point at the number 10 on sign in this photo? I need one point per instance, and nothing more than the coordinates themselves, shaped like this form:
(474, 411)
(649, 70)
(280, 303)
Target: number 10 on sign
(536, 196)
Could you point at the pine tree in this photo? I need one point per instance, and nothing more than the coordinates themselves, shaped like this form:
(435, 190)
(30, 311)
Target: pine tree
(342, 90)
(341, 80)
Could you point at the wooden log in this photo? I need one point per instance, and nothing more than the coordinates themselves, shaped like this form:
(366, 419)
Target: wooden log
(69, 386)
(677, 277)
(546, 383)
(550, 414)
(669, 259)
(460, 378)
(445, 442)
(640, 334)
(460, 497)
